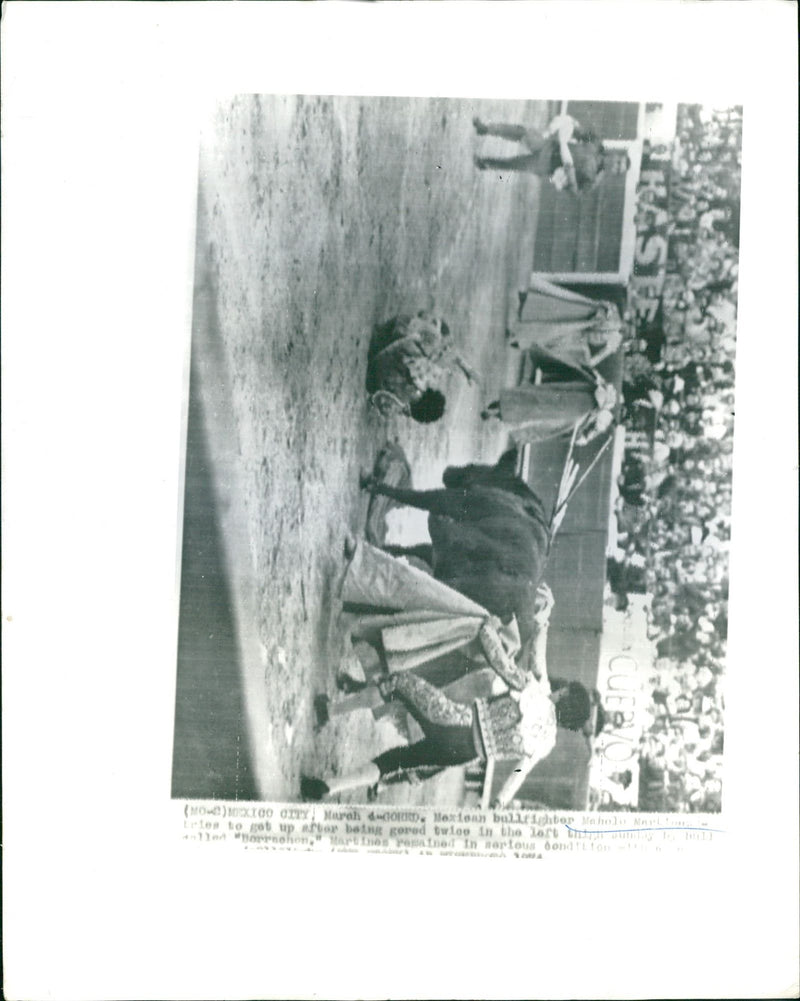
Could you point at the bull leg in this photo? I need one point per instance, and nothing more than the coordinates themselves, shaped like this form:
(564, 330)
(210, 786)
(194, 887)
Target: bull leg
(435, 501)
(514, 133)
(445, 503)
(527, 163)
(460, 505)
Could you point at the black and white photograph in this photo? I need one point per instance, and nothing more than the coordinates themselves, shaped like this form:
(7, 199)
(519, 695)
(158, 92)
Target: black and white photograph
(399, 488)
(458, 466)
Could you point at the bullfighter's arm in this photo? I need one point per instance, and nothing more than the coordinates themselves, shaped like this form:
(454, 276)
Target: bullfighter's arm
(539, 653)
(563, 126)
(542, 619)
(500, 662)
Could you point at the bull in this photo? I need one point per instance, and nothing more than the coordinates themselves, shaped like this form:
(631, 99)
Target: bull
(490, 536)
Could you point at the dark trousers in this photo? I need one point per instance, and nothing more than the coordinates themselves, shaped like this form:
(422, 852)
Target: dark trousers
(443, 746)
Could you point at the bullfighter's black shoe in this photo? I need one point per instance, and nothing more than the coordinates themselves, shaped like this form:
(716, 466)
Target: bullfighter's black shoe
(313, 790)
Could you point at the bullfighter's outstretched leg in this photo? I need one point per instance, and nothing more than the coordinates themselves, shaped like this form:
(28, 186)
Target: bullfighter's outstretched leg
(527, 163)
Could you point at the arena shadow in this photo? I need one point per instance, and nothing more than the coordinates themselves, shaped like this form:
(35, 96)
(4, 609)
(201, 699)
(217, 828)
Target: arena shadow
(211, 753)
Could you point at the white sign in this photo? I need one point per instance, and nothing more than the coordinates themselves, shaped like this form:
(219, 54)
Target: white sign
(626, 665)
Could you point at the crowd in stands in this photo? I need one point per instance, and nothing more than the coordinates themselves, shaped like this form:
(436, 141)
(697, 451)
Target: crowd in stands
(674, 505)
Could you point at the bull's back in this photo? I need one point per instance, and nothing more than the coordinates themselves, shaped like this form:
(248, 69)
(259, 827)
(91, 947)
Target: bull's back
(501, 476)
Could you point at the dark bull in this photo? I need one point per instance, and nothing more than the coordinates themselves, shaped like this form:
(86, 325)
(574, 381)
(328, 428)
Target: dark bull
(490, 536)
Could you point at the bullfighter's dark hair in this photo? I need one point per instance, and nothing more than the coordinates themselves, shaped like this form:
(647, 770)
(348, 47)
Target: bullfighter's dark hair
(429, 407)
(575, 707)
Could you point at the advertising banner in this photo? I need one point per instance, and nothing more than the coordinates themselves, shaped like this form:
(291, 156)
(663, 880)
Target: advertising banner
(626, 665)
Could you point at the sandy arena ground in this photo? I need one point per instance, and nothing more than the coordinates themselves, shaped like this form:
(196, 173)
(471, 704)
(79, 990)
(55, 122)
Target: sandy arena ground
(318, 218)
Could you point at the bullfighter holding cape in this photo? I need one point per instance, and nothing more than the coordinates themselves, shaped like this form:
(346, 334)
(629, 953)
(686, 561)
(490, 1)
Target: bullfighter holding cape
(422, 618)
(536, 412)
(573, 327)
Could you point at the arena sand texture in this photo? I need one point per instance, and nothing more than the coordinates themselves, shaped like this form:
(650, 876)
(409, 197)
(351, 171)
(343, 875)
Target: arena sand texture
(317, 219)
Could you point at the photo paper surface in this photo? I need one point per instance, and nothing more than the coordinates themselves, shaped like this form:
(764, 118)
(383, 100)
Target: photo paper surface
(488, 345)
